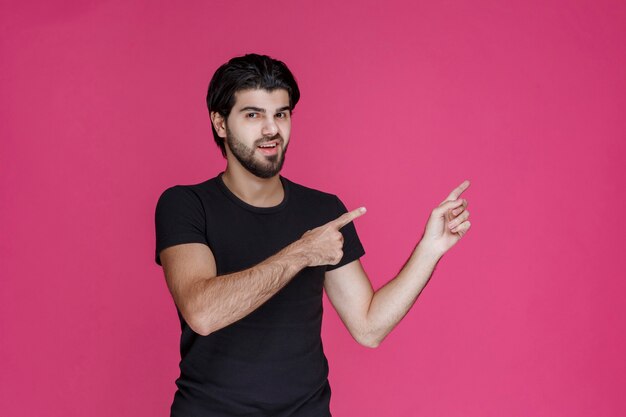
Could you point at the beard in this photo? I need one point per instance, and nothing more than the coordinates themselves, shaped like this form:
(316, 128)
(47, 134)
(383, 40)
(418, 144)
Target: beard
(264, 167)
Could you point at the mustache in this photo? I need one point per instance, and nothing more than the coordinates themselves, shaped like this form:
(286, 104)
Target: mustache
(266, 139)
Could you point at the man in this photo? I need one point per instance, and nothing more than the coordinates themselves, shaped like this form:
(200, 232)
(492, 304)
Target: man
(247, 255)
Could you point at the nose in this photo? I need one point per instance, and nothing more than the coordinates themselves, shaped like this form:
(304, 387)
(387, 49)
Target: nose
(269, 127)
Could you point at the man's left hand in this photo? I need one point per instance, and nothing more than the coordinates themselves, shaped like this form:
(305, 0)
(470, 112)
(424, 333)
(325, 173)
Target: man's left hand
(448, 222)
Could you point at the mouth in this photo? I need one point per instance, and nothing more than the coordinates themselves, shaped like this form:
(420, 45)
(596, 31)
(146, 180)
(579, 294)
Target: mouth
(269, 148)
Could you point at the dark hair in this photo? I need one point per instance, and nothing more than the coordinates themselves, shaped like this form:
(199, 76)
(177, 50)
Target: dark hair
(251, 71)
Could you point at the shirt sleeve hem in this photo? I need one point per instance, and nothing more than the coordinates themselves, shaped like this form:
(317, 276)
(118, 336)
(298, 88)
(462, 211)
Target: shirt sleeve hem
(177, 240)
(347, 258)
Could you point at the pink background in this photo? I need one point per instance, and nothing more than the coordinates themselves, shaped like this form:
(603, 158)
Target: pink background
(102, 108)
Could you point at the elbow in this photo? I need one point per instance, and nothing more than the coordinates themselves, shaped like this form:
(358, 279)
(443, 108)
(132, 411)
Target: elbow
(202, 321)
(365, 334)
(199, 327)
(369, 343)
(199, 324)
(368, 340)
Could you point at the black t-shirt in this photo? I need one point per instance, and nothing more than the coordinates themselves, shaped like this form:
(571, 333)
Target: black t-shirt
(271, 362)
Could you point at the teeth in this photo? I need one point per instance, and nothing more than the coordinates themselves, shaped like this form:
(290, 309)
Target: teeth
(268, 146)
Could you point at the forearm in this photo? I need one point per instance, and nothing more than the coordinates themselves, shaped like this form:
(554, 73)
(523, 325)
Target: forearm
(224, 299)
(392, 302)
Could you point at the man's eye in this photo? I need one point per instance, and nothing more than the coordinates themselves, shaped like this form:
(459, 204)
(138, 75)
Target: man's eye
(281, 115)
(251, 115)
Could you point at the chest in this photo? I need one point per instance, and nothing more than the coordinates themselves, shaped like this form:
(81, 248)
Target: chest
(240, 240)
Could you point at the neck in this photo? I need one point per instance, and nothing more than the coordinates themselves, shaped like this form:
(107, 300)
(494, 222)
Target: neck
(258, 192)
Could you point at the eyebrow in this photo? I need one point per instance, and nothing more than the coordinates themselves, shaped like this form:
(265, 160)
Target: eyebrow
(260, 110)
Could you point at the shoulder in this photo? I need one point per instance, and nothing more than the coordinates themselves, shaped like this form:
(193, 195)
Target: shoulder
(187, 193)
(301, 191)
(326, 206)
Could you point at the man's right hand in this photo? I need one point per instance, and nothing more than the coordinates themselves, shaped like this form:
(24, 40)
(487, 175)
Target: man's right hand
(324, 244)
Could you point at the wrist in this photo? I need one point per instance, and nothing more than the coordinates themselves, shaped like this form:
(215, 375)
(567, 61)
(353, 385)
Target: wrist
(426, 251)
(298, 254)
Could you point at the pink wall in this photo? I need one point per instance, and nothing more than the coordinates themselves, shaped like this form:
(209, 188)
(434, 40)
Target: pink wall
(102, 108)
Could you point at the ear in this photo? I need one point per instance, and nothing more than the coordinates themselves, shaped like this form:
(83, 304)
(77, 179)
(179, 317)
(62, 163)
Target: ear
(219, 123)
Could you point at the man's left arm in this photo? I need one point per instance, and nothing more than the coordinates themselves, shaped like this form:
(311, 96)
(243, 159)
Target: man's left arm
(369, 316)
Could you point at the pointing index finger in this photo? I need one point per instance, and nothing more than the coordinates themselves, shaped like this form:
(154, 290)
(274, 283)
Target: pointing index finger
(458, 190)
(346, 218)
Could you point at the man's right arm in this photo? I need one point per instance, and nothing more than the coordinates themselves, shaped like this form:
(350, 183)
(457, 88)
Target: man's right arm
(208, 302)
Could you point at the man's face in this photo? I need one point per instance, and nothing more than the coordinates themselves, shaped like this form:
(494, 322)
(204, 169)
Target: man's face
(257, 131)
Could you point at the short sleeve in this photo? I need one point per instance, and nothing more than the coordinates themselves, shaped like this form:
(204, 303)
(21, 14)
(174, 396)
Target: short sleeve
(179, 218)
(352, 247)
